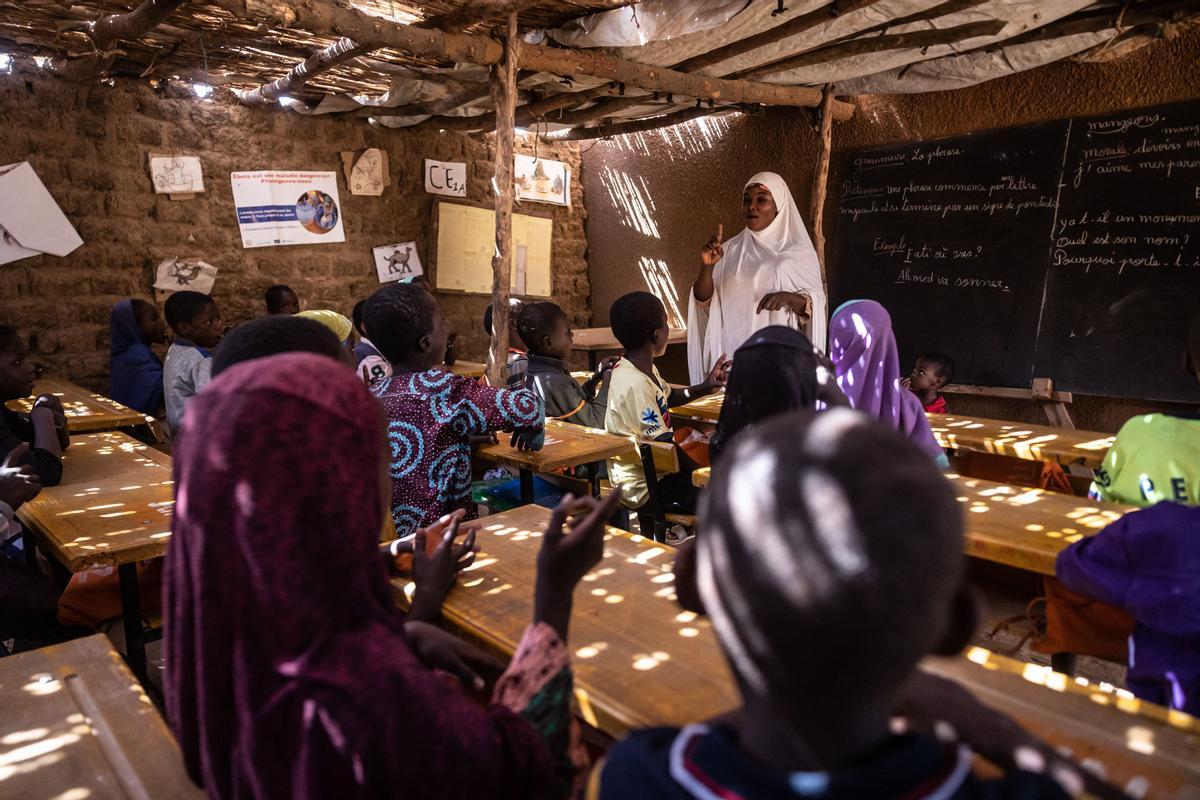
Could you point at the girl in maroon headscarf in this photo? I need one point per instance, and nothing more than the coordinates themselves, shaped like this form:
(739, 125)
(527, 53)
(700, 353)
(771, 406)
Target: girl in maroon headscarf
(290, 673)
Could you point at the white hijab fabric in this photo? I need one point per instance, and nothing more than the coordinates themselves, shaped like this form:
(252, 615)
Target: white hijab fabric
(780, 258)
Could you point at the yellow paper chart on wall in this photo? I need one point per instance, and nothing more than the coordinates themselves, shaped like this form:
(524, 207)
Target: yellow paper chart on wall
(466, 241)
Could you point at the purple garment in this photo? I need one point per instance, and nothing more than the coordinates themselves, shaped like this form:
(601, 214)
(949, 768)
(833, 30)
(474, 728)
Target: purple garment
(1148, 563)
(290, 673)
(430, 417)
(863, 349)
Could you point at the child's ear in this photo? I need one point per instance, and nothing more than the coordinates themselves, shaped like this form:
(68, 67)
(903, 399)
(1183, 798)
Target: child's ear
(960, 624)
(424, 345)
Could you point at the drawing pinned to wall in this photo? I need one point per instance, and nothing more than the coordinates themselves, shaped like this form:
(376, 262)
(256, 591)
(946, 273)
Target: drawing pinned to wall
(394, 262)
(447, 178)
(366, 172)
(542, 179)
(190, 274)
(176, 174)
(31, 223)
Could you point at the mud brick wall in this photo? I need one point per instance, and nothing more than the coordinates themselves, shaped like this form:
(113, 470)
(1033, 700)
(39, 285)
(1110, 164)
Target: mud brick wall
(90, 143)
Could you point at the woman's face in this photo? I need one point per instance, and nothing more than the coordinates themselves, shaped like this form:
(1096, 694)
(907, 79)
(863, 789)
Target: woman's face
(758, 207)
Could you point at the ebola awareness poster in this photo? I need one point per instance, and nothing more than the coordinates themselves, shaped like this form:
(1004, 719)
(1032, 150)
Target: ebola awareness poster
(278, 208)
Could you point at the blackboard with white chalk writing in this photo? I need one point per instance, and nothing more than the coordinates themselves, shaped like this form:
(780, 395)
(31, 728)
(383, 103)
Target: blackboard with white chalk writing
(1068, 250)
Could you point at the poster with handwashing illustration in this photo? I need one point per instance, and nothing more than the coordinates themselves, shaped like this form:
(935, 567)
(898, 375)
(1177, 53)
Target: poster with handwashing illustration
(281, 208)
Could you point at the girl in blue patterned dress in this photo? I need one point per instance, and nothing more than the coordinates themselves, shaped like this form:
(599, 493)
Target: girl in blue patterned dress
(432, 414)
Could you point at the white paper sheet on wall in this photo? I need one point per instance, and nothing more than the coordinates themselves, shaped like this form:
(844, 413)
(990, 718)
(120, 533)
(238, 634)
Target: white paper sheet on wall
(31, 223)
(176, 174)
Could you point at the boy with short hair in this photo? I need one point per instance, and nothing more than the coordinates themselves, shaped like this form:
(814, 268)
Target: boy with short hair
(432, 414)
(269, 336)
(639, 399)
(545, 329)
(196, 321)
(44, 428)
(1156, 457)
(929, 374)
(824, 604)
(517, 363)
(281, 299)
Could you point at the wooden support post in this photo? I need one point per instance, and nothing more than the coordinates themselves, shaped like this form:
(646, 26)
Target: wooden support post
(820, 181)
(504, 97)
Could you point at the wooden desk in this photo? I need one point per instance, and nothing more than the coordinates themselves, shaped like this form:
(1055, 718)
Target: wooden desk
(566, 445)
(86, 411)
(707, 408)
(641, 660)
(471, 369)
(1017, 526)
(1030, 442)
(113, 508)
(595, 340)
(77, 725)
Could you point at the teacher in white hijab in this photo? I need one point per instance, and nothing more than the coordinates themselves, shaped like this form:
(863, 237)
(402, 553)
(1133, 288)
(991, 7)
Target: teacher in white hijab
(766, 275)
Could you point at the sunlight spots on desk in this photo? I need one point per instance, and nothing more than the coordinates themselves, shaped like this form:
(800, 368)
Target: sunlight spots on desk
(130, 488)
(42, 685)
(599, 592)
(667, 592)
(647, 555)
(480, 564)
(104, 506)
(613, 599)
(70, 513)
(591, 650)
(45, 753)
(117, 514)
(1034, 527)
(644, 663)
(495, 590)
(162, 535)
(978, 655)
(689, 633)
(75, 793)
(686, 616)
(471, 584)
(584, 704)
(665, 577)
(19, 737)
(1140, 739)
(1098, 444)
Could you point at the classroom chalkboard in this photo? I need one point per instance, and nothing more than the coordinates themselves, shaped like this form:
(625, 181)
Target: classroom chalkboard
(1068, 250)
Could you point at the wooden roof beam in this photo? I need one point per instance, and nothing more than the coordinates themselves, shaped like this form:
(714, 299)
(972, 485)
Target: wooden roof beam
(322, 19)
(634, 126)
(107, 31)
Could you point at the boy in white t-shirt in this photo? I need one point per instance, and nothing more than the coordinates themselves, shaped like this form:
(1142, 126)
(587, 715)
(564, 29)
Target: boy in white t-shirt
(639, 400)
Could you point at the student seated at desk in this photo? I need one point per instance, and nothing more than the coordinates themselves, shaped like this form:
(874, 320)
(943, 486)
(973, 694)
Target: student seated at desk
(1148, 563)
(929, 374)
(281, 299)
(517, 362)
(1156, 457)
(639, 400)
(432, 414)
(776, 371)
(272, 335)
(863, 349)
(824, 602)
(292, 672)
(196, 321)
(135, 373)
(545, 329)
(44, 428)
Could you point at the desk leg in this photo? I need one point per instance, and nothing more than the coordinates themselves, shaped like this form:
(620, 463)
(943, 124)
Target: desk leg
(593, 473)
(593, 359)
(1063, 662)
(131, 613)
(526, 487)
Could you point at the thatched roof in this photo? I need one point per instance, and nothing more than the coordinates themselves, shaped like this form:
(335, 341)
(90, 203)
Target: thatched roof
(590, 62)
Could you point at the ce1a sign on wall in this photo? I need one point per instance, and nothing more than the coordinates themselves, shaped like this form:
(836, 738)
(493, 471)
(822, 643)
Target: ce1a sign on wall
(446, 177)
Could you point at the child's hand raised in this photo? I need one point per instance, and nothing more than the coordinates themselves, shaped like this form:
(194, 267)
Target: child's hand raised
(718, 376)
(713, 251)
(434, 574)
(572, 546)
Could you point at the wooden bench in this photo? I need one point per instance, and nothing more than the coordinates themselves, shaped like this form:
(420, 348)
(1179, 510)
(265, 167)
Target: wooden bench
(76, 724)
(566, 446)
(113, 508)
(1030, 442)
(640, 660)
(86, 411)
(1017, 526)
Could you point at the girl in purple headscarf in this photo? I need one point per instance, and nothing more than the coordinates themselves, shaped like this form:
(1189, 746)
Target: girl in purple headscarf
(863, 349)
(291, 672)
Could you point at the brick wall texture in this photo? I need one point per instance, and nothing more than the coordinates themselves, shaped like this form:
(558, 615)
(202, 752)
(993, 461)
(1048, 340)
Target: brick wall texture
(90, 145)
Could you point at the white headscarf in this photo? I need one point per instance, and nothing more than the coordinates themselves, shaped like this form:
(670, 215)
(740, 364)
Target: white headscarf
(779, 258)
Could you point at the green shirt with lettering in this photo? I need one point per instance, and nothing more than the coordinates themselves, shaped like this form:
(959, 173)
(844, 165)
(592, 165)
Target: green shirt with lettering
(1155, 457)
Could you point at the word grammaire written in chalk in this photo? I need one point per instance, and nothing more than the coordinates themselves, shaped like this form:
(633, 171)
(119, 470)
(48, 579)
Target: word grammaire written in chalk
(934, 278)
(911, 254)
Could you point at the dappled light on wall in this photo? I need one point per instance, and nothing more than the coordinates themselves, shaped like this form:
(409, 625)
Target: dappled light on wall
(685, 139)
(631, 197)
(660, 284)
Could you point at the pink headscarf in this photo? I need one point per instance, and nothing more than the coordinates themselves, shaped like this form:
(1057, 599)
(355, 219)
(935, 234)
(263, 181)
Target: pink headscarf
(863, 349)
(288, 670)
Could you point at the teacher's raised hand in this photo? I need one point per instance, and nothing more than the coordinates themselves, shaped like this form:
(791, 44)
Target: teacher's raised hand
(713, 251)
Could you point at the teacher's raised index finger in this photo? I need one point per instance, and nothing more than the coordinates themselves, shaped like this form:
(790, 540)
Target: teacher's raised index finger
(720, 232)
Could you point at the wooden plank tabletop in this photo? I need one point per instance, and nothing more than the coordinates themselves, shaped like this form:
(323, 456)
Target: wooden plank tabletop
(604, 339)
(77, 724)
(641, 660)
(471, 369)
(86, 411)
(1025, 441)
(1029, 442)
(113, 506)
(566, 445)
(1014, 525)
